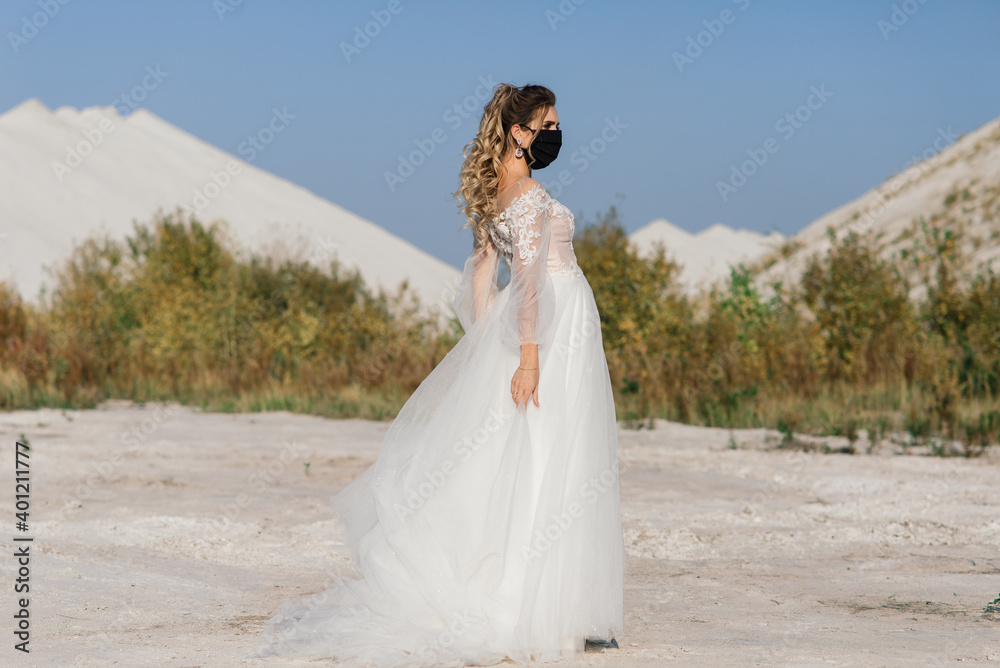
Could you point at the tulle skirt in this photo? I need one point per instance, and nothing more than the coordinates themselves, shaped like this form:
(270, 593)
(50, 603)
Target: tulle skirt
(483, 530)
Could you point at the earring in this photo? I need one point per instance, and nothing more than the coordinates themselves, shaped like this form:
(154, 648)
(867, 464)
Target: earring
(518, 153)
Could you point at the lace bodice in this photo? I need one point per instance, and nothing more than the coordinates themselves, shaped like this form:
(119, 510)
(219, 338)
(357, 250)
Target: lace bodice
(507, 230)
(534, 233)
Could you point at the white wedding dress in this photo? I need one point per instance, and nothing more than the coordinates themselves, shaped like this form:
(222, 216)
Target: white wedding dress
(485, 530)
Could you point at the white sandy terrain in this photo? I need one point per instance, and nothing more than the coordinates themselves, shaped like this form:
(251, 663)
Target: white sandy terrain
(165, 537)
(707, 257)
(126, 169)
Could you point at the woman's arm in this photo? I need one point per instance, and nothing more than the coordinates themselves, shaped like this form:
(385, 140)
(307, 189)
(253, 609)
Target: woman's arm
(483, 277)
(529, 224)
(478, 285)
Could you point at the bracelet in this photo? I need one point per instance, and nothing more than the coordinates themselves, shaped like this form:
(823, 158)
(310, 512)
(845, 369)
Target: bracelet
(532, 368)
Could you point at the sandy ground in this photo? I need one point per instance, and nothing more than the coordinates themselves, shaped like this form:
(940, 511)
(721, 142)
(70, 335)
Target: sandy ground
(165, 537)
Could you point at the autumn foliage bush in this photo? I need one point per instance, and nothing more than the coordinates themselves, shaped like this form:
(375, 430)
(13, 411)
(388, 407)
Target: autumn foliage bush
(175, 312)
(845, 348)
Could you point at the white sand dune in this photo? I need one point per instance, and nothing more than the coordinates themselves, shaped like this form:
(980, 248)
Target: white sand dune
(956, 186)
(140, 164)
(165, 537)
(707, 257)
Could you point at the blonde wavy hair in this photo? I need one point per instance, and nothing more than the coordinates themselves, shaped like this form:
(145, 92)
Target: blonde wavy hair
(480, 174)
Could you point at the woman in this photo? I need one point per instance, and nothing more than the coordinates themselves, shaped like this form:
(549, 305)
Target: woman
(489, 526)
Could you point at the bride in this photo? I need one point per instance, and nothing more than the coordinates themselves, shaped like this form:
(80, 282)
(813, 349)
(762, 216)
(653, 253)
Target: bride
(489, 526)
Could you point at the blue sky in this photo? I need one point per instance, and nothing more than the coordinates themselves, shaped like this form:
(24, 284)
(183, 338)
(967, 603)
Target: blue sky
(658, 101)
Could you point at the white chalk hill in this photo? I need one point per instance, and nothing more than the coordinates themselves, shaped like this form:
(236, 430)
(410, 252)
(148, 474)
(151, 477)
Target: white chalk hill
(142, 164)
(706, 258)
(955, 189)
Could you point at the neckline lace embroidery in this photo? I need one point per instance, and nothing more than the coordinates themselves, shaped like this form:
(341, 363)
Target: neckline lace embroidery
(508, 229)
(512, 222)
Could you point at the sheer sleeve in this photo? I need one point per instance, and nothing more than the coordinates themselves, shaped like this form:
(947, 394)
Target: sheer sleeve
(529, 307)
(524, 308)
(478, 286)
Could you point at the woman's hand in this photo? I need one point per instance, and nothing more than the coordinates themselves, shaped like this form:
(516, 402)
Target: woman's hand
(524, 384)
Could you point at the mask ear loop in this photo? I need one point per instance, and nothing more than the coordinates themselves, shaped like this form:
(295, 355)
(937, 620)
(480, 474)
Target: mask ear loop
(519, 153)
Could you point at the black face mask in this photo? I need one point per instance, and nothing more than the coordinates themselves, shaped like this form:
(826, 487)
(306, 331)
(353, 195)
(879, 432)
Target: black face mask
(545, 148)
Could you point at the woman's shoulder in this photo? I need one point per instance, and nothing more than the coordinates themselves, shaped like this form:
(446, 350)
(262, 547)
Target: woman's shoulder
(519, 187)
(526, 191)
